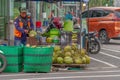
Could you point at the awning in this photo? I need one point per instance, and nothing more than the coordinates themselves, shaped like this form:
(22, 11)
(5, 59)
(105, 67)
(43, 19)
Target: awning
(51, 1)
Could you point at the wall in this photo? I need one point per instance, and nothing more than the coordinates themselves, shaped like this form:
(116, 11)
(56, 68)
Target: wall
(3, 18)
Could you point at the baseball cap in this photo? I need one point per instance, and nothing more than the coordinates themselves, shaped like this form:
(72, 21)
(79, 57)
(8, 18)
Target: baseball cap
(23, 10)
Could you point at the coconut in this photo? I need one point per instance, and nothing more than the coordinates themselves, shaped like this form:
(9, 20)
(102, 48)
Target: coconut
(57, 48)
(87, 59)
(68, 54)
(78, 60)
(68, 60)
(60, 60)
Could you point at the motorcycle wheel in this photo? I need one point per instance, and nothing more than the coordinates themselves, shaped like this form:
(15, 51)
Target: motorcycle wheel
(94, 47)
(3, 62)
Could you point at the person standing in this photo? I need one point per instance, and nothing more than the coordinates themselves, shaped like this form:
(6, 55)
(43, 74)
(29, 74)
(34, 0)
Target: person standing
(52, 14)
(68, 16)
(23, 23)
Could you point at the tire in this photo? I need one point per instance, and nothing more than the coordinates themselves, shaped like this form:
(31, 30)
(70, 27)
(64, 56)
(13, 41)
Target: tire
(94, 47)
(3, 62)
(103, 37)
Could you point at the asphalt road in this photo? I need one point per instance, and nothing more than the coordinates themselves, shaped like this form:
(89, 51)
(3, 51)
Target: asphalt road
(104, 66)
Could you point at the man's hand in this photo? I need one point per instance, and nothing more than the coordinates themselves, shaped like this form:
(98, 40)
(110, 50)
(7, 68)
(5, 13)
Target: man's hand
(26, 31)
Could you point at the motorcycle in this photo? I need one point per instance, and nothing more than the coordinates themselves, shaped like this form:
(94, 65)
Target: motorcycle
(54, 23)
(93, 43)
(3, 62)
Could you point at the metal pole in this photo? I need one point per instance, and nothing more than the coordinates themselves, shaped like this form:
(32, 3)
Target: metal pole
(88, 16)
(8, 7)
(80, 16)
(88, 26)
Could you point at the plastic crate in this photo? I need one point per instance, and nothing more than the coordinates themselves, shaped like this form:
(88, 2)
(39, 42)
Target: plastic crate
(38, 68)
(38, 59)
(12, 50)
(13, 68)
(14, 56)
(14, 59)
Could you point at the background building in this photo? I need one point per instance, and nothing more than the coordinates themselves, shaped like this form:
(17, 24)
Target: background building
(117, 3)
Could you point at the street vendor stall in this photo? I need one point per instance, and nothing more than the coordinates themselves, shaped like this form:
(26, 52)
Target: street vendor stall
(71, 54)
(43, 48)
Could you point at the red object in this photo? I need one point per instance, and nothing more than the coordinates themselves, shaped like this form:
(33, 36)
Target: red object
(38, 24)
(57, 23)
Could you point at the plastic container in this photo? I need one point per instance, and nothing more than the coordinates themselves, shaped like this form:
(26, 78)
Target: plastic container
(14, 56)
(38, 59)
(55, 40)
(38, 24)
(54, 32)
(14, 68)
(68, 25)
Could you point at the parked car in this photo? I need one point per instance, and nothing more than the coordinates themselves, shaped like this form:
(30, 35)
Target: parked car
(104, 20)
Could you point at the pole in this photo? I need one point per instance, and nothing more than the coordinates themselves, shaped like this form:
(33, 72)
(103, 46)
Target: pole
(88, 27)
(8, 21)
(32, 8)
(80, 16)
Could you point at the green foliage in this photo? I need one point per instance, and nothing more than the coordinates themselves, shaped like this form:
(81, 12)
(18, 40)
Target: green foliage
(16, 12)
(94, 3)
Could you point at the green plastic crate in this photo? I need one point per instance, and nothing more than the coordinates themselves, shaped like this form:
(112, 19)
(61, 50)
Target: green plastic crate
(14, 68)
(32, 68)
(40, 50)
(14, 56)
(14, 60)
(12, 50)
(38, 59)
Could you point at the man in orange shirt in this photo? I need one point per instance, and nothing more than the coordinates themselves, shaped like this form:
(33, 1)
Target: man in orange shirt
(23, 23)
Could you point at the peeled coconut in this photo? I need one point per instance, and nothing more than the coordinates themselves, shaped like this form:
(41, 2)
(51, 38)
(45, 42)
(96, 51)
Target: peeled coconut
(60, 53)
(83, 60)
(68, 60)
(57, 48)
(74, 46)
(67, 48)
(78, 61)
(82, 52)
(32, 33)
(27, 45)
(60, 60)
(54, 59)
(87, 59)
(68, 54)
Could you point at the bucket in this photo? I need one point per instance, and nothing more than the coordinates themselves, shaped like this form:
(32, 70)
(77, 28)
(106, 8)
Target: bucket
(38, 24)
